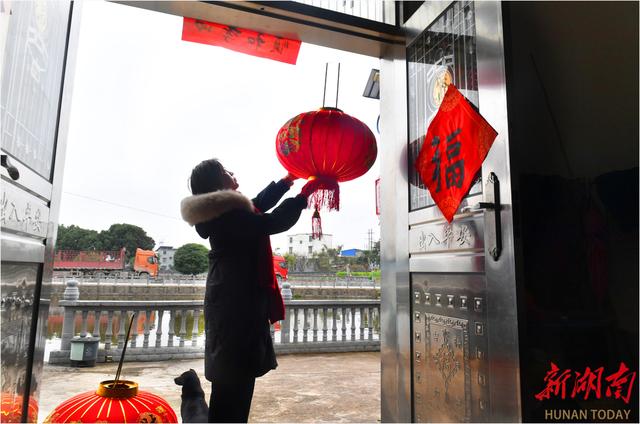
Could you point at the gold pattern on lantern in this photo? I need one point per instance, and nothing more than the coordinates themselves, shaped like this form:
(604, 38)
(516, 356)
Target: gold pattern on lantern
(149, 417)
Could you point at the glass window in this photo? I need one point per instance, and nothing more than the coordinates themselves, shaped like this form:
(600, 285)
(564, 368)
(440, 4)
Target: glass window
(310, 249)
(444, 53)
(35, 47)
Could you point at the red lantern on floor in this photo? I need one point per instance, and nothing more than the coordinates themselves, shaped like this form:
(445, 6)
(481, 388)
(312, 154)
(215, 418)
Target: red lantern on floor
(11, 409)
(329, 145)
(123, 403)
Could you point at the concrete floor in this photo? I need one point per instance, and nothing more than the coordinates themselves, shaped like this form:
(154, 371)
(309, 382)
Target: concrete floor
(336, 387)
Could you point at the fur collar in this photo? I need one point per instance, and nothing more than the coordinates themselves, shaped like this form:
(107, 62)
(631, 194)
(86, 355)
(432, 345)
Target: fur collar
(205, 207)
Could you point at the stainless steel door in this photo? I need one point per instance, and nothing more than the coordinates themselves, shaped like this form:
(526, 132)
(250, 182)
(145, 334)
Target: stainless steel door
(33, 68)
(463, 315)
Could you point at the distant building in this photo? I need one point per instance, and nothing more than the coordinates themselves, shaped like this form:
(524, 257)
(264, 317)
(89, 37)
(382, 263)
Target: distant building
(351, 253)
(306, 245)
(165, 256)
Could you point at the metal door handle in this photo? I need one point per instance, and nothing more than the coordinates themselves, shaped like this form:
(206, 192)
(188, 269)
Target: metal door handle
(12, 170)
(478, 207)
(492, 192)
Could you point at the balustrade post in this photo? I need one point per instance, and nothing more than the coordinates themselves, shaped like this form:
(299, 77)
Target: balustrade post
(361, 323)
(68, 327)
(334, 329)
(134, 329)
(295, 325)
(305, 327)
(183, 326)
(121, 333)
(370, 323)
(344, 323)
(147, 325)
(159, 314)
(353, 323)
(83, 331)
(96, 323)
(324, 324)
(315, 324)
(285, 326)
(172, 324)
(108, 334)
(194, 331)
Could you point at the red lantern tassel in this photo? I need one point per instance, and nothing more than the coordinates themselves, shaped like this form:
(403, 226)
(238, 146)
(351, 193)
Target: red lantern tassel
(316, 225)
(327, 196)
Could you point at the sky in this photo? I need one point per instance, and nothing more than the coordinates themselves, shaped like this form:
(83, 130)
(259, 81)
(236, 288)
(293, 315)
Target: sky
(147, 107)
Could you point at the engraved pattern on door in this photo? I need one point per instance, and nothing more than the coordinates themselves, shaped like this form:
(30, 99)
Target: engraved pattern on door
(450, 370)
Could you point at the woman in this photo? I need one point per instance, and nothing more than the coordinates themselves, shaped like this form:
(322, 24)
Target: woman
(242, 295)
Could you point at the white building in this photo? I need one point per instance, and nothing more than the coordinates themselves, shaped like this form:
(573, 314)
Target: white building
(305, 245)
(165, 257)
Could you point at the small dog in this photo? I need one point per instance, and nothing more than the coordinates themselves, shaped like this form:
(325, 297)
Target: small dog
(193, 408)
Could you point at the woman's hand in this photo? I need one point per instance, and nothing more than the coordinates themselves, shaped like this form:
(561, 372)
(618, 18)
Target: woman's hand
(310, 187)
(290, 178)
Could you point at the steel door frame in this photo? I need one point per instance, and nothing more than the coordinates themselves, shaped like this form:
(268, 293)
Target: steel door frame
(24, 247)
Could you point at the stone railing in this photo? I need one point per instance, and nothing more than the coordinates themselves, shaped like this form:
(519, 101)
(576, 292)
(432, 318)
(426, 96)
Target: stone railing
(295, 281)
(164, 330)
(133, 279)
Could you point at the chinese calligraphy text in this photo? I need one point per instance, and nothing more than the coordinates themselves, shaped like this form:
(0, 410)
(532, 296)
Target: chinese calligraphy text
(456, 143)
(590, 383)
(241, 40)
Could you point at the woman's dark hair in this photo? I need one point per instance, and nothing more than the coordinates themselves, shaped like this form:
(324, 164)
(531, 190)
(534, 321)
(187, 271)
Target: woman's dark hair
(207, 176)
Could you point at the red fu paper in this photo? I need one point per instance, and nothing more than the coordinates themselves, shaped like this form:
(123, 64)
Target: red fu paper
(241, 40)
(457, 141)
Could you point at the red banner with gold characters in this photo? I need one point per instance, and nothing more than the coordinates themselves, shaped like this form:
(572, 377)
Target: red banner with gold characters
(241, 40)
(457, 141)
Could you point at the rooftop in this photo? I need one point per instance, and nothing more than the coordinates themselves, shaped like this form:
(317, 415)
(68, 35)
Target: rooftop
(335, 387)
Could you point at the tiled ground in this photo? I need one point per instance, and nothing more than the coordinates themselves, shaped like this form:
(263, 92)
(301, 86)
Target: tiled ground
(336, 387)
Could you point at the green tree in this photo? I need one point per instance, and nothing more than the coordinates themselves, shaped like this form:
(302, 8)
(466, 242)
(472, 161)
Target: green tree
(291, 261)
(127, 236)
(192, 258)
(77, 238)
(328, 260)
(373, 255)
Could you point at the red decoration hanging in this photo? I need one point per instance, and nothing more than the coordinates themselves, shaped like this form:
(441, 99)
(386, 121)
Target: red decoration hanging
(123, 403)
(328, 145)
(457, 141)
(316, 225)
(241, 40)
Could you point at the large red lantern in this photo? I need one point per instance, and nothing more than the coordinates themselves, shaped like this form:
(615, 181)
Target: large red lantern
(328, 145)
(123, 403)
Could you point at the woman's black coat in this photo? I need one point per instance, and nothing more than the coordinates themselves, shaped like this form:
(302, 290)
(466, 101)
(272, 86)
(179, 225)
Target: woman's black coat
(238, 339)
